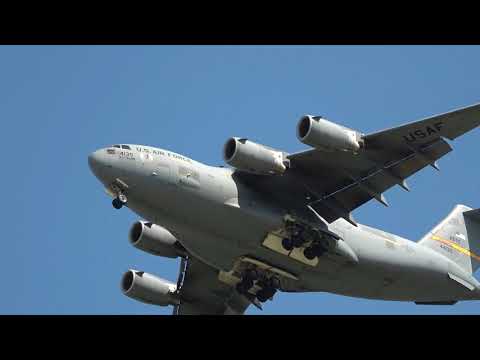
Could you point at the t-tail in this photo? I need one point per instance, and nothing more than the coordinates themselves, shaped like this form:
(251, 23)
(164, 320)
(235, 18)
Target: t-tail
(457, 237)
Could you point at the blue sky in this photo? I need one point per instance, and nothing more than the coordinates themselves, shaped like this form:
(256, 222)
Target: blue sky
(64, 248)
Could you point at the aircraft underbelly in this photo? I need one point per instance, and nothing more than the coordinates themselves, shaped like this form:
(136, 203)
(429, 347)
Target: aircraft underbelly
(221, 233)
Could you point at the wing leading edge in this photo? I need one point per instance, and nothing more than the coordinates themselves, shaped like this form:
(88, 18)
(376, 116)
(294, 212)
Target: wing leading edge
(338, 182)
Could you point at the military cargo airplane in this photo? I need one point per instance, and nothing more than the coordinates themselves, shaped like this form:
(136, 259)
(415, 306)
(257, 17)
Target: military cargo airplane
(274, 221)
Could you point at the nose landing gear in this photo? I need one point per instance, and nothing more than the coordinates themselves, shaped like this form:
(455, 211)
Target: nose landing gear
(118, 189)
(119, 201)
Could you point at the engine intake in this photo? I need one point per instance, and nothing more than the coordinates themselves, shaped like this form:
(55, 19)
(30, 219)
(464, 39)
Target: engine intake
(155, 240)
(321, 133)
(148, 288)
(248, 156)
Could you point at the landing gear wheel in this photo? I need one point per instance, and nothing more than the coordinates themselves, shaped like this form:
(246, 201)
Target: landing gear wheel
(320, 250)
(287, 244)
(275, 283)
(247, 283)
(315, 250)
(261, 296)
(244, 285)
(265, 294)
(117, 204)
(240, 287)
(122, 198)
(297, 241)
(251, 274)
(310, 253)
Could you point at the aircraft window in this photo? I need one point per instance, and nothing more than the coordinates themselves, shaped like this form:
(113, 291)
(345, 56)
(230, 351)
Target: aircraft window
(126, 147)
(117, 146)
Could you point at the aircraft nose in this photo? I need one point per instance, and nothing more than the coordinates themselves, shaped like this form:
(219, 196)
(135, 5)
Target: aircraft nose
(97, 161)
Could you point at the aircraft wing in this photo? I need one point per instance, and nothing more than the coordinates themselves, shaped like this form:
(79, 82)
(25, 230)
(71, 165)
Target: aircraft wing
(336, 183)
(344, 181)
(201, 292)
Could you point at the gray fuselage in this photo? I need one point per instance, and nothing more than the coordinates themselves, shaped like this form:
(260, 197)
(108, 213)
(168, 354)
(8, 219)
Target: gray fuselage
(218, 219)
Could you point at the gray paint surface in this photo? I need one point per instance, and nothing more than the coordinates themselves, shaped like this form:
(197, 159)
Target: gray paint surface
(220, 216)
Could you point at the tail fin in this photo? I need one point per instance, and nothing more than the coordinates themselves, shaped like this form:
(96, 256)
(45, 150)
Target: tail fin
(457, 237)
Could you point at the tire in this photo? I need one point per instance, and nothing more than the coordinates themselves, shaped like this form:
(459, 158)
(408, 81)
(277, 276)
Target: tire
(117, 204)
(271, 292)
(297, 241)
(265, 294)
(310, 253)
(287, 244)
(252, 274)
(275, 283)
(319, 250)
(247, 284)
(262, 296)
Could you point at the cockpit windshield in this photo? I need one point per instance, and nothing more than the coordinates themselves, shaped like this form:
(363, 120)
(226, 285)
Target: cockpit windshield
(126, 147)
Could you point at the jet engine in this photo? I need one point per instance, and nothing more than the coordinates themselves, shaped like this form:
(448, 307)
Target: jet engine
(149, 289)
(323, 134)
(248, 156)
(155, 240)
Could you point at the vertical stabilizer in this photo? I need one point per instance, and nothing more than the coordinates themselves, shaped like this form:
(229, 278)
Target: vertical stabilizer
(457, 237)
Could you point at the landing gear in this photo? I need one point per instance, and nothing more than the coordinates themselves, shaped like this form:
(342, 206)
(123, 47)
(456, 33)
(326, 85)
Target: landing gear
(313, 251)
(242, 287)
(265, 294)
(297, 240)
(248, 280)
(309, 253)
(252, 274)
(269, 288)
(119, 201)
(295, 237)
(287, 244)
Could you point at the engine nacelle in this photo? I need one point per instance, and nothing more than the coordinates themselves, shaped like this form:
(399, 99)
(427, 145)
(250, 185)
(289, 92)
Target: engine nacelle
(155, 240)
(323, 134)
(148, 288)
(248, 156)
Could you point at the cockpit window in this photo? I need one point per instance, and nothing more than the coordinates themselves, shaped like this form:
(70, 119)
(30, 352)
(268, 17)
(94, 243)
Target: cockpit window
(117, 146)
(126, 147)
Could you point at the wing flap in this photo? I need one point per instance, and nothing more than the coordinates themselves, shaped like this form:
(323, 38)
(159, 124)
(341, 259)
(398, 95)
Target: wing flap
(336, 183)
(203, 293)
(372, 183)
